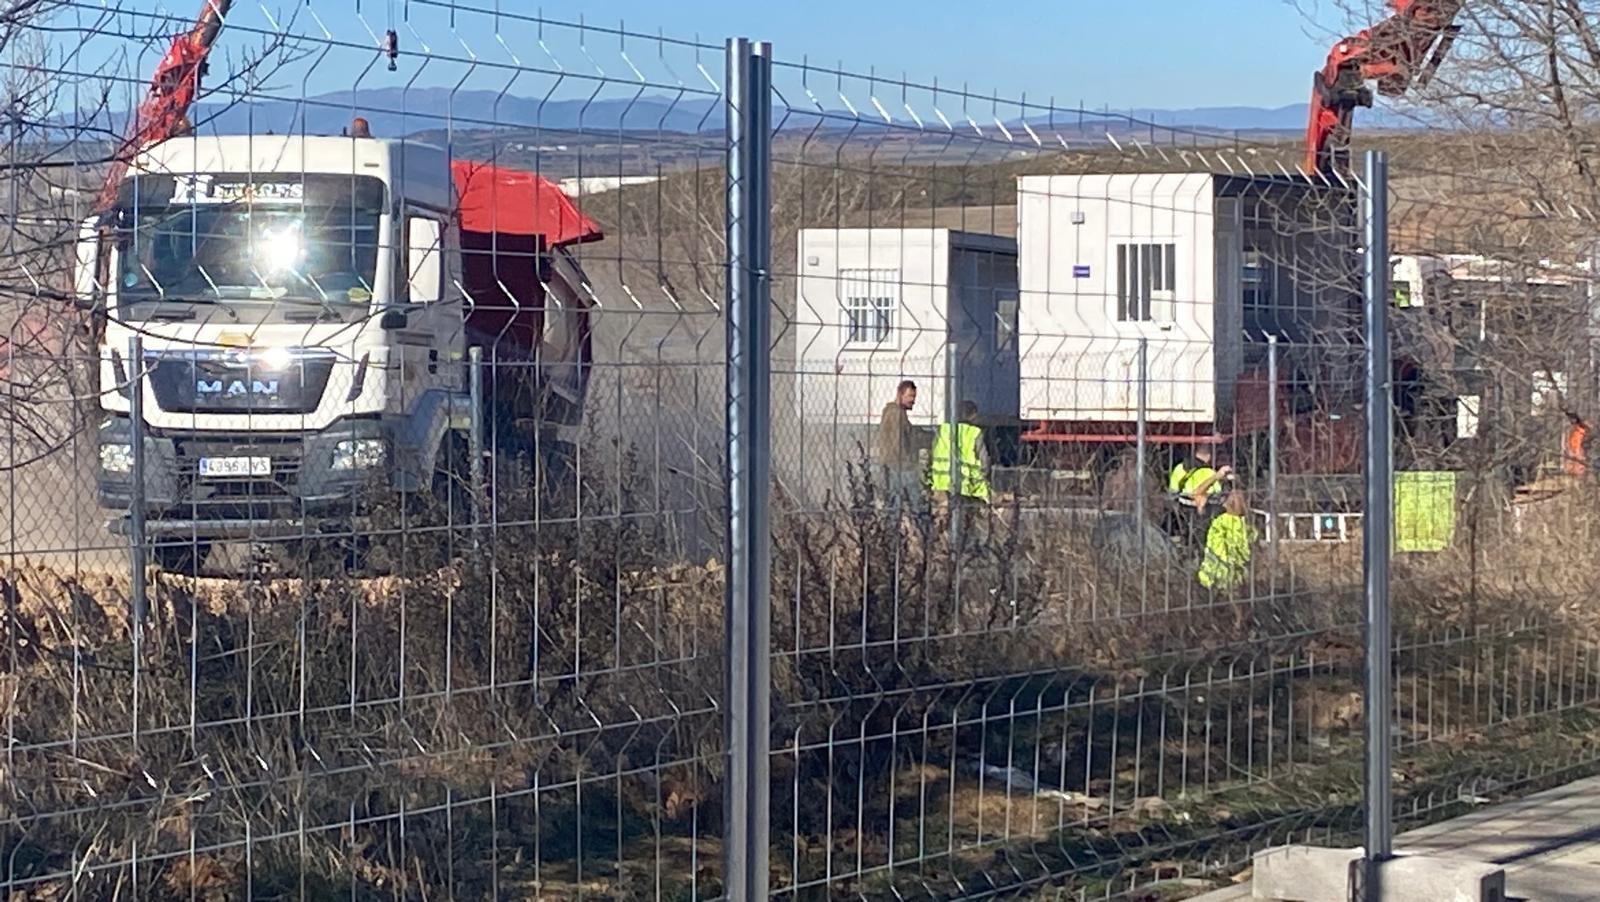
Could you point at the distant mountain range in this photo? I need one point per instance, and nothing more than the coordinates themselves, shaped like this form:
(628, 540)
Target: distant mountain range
(395, 111)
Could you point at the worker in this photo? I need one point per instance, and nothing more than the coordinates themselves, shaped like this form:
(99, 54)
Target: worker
(967, 439)
(897, 444)
(1192, 483)
(1229, 540)
(1574, 462)
(1193, 478)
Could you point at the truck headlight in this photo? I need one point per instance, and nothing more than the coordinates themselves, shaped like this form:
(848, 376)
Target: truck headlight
(275, 359)
(359, 454)
(116, 458)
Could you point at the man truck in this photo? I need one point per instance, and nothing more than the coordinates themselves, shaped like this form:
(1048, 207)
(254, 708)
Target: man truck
(306, 310)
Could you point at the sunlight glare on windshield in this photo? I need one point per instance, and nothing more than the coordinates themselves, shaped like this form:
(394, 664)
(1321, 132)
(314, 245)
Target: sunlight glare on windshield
(280, 250)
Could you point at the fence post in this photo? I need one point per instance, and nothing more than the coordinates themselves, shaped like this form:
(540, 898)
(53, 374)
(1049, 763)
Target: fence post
(475, 436)
(136, 528)
(748, 624)
(1272, 463)
(1375, 530)
(1141, 462)
(952, 416)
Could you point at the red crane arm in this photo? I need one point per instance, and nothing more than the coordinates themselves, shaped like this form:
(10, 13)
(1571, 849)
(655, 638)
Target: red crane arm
(172, 92)
(1399, 53)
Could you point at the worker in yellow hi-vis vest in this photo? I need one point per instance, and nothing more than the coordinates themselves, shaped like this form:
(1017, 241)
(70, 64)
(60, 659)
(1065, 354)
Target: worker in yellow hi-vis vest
(966, 439)
(1230, 540)
(1193, 479)
(1192, 484)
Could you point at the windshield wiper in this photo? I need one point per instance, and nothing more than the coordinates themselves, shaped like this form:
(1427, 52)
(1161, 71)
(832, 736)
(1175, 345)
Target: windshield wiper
(311, 316)
(184, 311)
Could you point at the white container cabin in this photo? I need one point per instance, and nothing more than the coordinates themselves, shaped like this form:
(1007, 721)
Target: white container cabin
(1201, 266)
(876, 306)
(872, 307)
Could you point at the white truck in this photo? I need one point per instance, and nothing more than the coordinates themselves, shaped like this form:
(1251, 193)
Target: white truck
(1494, 361)
(307, 308)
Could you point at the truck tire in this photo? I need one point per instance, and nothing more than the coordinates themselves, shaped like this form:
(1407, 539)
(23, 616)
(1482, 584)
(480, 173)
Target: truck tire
(452, 480)
(180, 556)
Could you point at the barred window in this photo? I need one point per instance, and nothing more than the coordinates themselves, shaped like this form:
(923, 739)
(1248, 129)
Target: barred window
(1147, 276)
(871, 300)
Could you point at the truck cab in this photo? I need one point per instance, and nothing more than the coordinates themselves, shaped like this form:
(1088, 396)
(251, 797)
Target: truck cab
(1494, 360)
(298, 316)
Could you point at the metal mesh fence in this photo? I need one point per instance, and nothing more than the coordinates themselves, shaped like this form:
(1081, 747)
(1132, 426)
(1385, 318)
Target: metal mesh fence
(401, 387)
(1493, 383)
(371, 527)
(1047, 674)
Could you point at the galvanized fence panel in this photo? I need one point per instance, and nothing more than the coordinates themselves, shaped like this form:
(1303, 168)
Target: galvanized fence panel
(511, 644)
(1050, 685)
(503, 680)
(1493, 578)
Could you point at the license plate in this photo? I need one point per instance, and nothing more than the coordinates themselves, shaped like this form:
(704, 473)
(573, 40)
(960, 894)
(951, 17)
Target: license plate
(235, 466)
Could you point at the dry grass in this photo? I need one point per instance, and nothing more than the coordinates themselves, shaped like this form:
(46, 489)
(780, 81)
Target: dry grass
(568, 670)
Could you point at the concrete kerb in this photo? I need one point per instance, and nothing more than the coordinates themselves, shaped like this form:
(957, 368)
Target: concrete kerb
(1315, 874)
(1304, 873)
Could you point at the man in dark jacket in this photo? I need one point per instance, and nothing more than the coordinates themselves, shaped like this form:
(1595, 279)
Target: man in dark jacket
(897, 445)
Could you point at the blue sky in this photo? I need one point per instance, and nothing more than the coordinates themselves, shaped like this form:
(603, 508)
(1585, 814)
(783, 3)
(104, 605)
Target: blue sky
(1166, 53)
(1157, 53)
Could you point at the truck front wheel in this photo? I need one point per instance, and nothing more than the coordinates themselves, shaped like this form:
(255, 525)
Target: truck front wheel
(180, 555)
(452, 480)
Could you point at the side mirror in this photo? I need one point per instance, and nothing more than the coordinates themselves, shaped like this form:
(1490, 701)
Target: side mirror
(394, 318)
(423, 258)
(86, 293)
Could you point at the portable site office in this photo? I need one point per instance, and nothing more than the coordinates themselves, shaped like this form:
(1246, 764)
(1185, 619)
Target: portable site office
(1047, 327)
(876, 306)
(872, 307)
(1203, 266)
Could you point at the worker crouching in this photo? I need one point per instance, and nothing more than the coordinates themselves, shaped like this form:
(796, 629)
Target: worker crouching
(1230, 543)
(1191, 484)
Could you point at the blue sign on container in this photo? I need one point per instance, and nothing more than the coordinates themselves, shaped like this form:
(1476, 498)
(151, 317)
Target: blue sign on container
(1080, 271)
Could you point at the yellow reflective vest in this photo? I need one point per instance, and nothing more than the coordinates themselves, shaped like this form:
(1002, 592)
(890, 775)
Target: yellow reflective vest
(1184, 480)
(973, 483)
(1227, 559)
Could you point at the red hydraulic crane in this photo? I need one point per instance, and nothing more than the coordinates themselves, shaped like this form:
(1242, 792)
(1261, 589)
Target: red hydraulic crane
(1399, 53)
(165, 109)
(162, 114)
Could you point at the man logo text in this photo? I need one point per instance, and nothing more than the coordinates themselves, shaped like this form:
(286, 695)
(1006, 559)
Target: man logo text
(233, 388)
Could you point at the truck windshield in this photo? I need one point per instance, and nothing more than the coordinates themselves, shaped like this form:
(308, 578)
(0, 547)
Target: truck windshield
(247, 239)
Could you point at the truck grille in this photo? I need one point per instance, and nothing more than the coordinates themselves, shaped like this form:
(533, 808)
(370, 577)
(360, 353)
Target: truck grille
(285, 453)
(230, 382)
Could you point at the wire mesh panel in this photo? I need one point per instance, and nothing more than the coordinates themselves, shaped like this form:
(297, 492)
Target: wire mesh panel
(1048, 386)
(1494, 388)
(368, 413)
(386, 340)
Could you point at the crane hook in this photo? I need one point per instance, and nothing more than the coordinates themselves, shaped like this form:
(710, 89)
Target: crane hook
(391, 47)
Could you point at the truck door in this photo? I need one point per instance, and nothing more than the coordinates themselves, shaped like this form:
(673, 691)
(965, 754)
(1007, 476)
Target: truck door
(428, 345)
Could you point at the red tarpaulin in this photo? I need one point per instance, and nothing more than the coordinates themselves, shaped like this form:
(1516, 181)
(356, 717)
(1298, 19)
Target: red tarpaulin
(511, 201)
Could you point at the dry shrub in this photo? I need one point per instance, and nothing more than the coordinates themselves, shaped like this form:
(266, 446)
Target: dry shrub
(569, 667)
(257, 713)
(1530, 556)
